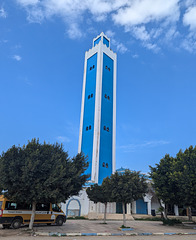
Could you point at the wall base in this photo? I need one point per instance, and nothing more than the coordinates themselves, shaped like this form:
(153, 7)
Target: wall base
(110, 216)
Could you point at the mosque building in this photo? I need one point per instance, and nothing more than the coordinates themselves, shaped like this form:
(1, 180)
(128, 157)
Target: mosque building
(97, 135)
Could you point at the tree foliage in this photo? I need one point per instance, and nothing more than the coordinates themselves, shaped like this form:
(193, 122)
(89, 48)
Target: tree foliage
(164, 178)
(186, 168)
(174, 179)
(100, 193)
(127, 187)
(41, 173)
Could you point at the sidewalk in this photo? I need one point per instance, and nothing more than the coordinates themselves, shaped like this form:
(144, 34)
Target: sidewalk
(97, 228)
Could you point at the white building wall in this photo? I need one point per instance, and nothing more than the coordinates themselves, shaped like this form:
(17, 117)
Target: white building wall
(72, 202)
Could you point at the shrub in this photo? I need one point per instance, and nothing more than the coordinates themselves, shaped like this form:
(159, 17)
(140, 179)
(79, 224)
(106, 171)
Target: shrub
(171, 222)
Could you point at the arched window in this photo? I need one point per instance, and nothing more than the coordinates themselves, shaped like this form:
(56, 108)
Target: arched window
(91, 95)
(90, 127)
(106, 165)
(86, 128)
(103, 164)
(107, 129)
(104, 128)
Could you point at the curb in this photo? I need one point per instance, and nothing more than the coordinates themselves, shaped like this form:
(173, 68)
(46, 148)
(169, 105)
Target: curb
(56, 234)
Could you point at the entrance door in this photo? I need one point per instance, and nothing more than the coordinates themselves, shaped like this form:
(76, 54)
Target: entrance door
(73, 208)
(141, 207)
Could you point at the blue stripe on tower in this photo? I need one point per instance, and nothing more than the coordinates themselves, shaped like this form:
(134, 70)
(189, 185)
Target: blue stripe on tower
(106, 131)
(89, 110)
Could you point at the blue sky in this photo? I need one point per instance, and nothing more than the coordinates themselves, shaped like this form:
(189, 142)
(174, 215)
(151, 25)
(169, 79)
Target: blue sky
(42, 47)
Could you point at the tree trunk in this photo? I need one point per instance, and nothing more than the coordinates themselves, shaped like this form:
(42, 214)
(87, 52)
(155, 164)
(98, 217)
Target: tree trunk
(32, 215)
(124, 219)
(166, 211)
(190, 214)
(104, 221)
(162, 209)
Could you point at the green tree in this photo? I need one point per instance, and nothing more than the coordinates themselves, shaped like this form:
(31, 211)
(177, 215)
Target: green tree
(186, 169)
(127, 187)
(165, 182)
(100, 193)
(41, 173)
(174, 179)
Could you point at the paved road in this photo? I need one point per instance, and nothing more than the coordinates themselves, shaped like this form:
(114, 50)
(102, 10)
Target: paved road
(92, 226)
(103, 238)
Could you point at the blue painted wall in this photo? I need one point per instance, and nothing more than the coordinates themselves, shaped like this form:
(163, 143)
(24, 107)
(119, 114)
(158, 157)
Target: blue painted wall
(105, 41)
(105, 154)
(89, 110)
(141, 207)
(97, 41)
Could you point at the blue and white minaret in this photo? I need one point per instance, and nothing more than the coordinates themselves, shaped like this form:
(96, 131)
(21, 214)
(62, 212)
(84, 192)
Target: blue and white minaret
(97, 137)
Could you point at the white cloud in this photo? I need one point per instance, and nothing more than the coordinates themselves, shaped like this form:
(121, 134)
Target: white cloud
(28, 2)
(153, 22)
(151, 46)
(171, 34)
(120, 47)
(141, 33)
(74, 31)
(35, 15)
(110, 33)
(188, 3)
(145, 37)
(3, 13)
(146, 144)
(17, 58)
(145, 11)
(156, 32)
(189, 18)
(135, 56)
(189, 43)
(63, 139)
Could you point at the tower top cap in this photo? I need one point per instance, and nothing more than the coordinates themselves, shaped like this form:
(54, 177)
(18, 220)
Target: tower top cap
(101, 38)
